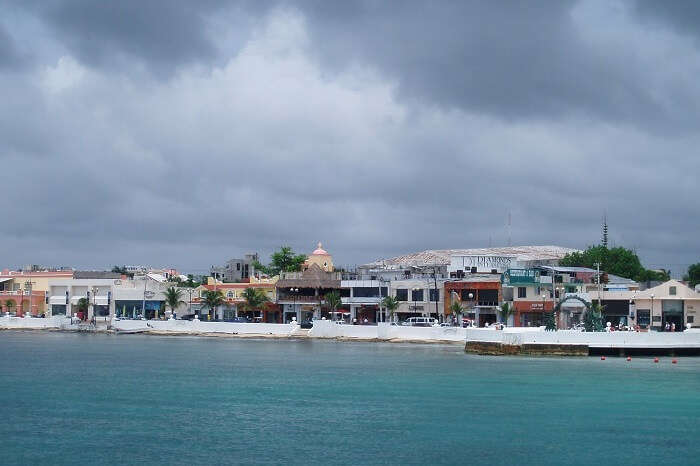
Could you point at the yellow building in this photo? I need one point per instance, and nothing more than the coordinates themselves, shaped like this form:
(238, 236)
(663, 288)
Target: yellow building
(233, 295)
(321, 258)
(25, 290)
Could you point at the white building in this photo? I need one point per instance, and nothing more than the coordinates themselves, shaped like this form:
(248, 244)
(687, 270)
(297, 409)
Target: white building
(107, 294)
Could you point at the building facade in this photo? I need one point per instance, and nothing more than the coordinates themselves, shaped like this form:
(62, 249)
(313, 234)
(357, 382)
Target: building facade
(236, 270)
(23, 292)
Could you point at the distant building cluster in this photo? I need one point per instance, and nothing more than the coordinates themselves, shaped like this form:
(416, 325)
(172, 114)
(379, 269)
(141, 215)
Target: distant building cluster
(462, 286)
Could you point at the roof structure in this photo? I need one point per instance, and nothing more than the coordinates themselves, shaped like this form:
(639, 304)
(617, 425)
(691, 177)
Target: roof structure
(568, 269)
(319, 251)
(683, 291)
(313, 277)
(617, 279)
(442, 256)
(95, 275)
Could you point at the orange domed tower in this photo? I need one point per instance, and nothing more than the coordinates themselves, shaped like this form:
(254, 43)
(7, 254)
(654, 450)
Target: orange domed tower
(321, 258)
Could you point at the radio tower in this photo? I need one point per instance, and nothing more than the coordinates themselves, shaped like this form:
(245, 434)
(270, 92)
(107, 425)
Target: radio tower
(605, 230)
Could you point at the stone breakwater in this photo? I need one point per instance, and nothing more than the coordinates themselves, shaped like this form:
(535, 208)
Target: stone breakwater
(537, 342)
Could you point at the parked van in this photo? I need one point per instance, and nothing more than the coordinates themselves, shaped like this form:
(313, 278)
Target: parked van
(420, 322)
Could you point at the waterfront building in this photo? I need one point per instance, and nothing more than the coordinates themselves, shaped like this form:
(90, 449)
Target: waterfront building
(236, 270)
(361, 296)
(421, 295)
(479, 295)
(233, 300)
(142, 296)
(673, 302)
(300, 294)
(97, 288)
(484, 259)
(26, 291)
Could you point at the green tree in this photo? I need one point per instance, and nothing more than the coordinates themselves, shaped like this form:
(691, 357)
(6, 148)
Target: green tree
(550, 322)
(284, 260)
(693, 275)
(593, 319)
(391, 304)
(191, 282)
(10, 304)
(211, 299)
(618, 261)
(506, 311)
(653, 275)
(255, 299)
(456, 310)
(333, 301)
(82, 305)
(122, 270)
(173, 298)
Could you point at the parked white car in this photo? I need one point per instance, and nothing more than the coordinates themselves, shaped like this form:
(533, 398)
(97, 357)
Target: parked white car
(420, 322)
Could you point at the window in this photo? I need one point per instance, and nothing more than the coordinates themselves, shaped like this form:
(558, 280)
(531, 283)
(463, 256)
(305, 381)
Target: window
(434, 294)
(402, 294)
(473, 269)
(365, 292)
(238, 266)
(691, 319)
(522, 292)
(229, 294)
(494, 271)
(417, 295)
(672, 290)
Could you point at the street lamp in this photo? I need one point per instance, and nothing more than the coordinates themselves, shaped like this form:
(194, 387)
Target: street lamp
(190, 290)
(629, 314)
(651, 312)
(471, 300)
(294, 292)
(544, 297)
(95, 290)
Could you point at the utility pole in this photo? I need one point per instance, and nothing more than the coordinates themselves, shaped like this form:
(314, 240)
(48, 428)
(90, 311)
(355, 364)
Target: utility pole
(437, 293)
(143, 304)
(600, 297)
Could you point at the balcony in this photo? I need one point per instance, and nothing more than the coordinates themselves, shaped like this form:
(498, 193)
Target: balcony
(298, 299)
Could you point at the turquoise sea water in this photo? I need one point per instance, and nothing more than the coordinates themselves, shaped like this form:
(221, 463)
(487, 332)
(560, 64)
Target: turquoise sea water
(103, 399)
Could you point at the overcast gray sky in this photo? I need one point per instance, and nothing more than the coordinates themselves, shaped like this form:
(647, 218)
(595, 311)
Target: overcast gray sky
(188, 132)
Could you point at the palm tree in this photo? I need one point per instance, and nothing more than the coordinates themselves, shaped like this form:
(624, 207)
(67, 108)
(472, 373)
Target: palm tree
(10, 303)
(82, 305)
(254, 299)
(593, 318)
(173, 298)
(506, 312)
(212, 299)
(456, 310)
(391, 304)
(333, 301)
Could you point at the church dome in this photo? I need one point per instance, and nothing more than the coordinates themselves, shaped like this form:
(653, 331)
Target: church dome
(320, 251)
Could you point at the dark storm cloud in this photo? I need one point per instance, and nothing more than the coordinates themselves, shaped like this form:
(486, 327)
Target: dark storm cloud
(682, 15)
(509, 59)
(172, 132)
(164, 34)
(8, 53)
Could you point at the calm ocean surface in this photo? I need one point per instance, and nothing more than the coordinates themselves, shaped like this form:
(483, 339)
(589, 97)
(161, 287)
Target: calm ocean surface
(103, 399)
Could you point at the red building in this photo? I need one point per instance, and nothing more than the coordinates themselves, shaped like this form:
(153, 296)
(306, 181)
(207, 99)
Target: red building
(479, 295)
(531, 313)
